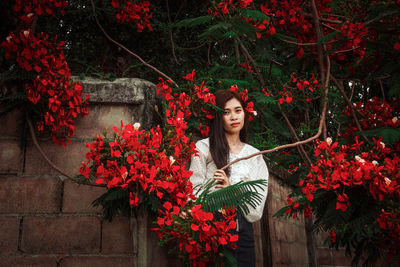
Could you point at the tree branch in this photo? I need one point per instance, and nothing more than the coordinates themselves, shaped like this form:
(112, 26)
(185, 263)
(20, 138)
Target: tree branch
(127, 50)
(36, 143)
(261, 79)
(321, 122)
(170, 33)
(352, 109)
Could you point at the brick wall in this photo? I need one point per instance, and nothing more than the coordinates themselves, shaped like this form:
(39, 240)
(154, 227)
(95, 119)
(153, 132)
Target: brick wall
(46, 220)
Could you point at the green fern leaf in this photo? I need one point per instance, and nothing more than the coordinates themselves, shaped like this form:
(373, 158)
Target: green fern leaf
(253, 14)
(193, 22)
(240, 195)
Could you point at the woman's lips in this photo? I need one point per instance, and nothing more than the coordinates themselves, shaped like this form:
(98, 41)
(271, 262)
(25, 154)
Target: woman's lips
(235, 124)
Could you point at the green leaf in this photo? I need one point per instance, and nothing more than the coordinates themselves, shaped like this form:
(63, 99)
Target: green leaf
(217, 30)
(261, 98)
(194, 21)
(253, 14)
(229, 35)
(328, 37)
(389, 135)
(284, 37)
(240, 195)
(240, 83)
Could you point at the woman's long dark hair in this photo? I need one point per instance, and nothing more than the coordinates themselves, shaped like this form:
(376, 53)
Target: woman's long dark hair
(219, 146)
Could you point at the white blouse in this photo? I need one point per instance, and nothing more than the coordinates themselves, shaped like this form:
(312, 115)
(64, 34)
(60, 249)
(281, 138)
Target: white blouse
(203, 168)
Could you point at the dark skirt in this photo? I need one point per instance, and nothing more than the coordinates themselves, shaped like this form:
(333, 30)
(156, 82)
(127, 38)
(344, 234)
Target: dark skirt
(245, 251)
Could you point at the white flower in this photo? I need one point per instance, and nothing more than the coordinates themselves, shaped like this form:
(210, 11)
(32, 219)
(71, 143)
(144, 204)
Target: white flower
(254, 113)
(394, 120)
(329, 141)
(9, 39)
(359, 159)
(30, 15)
(375, 163)
(382, 144)
(136, 126)
(171, 159)
(387, 181)
(26, 33)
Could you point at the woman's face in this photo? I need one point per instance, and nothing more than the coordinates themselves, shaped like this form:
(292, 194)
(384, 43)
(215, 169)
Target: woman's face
(233, 116)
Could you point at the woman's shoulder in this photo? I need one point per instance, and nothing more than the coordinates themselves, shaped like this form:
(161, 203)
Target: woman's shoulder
(203, 142)
(251, 149)
(203, 145)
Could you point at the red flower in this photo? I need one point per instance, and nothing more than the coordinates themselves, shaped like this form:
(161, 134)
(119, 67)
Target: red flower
(333, 236)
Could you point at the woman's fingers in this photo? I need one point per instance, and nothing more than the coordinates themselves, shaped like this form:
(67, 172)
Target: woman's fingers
(221, 179)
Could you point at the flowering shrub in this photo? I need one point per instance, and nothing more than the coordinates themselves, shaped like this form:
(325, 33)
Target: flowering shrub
(133, 12)
(29, 8)
(201, 237)
(56, 98)
(356, 185)
(137, 161)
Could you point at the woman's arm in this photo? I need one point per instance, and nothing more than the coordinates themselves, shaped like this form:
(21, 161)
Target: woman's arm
(198, 165)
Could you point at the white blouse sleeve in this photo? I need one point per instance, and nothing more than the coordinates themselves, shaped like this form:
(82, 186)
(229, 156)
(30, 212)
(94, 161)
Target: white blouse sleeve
(198, 165)
(258, 170)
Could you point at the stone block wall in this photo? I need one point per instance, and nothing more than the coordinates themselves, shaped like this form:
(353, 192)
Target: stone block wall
(46, 220)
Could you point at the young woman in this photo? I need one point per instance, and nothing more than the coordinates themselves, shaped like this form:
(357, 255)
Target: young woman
(227, 142)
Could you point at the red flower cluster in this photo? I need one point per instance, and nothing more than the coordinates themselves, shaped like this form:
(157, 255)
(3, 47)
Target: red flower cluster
(38, 7)
(133, 12)
(136, 161)
(200, 236)
(223, 7)
(375, 113)
(53, 87)
(340, 169)
(305, 89)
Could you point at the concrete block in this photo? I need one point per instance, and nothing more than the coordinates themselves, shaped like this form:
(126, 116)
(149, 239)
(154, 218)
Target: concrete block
(116, 236)
(31, 261)
(10, 156)
(101, 119)
(9, 235)
(340, 259)
(324, 256)
(29, 195)
(48, 235)
(67, 158)
(11, 124)
(78, 198)
(97, 261)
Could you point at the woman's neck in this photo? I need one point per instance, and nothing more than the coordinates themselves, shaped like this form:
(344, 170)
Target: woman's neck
(233, 140)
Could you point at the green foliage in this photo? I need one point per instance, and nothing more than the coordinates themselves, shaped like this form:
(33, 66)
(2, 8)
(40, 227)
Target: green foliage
(114, 201)
(239, 195)
(390, 136)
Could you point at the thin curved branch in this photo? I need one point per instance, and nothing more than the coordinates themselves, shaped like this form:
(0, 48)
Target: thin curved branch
(247, 54)
(36, 143)
(192, 48)
(127, 50)
(308, 15)
(319, 34)
(262, 81)
(171, 37)
(296, 43)
(346, 50)
(352, 109)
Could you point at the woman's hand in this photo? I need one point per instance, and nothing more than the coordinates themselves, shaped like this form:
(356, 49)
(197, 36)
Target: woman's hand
(221, 180)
